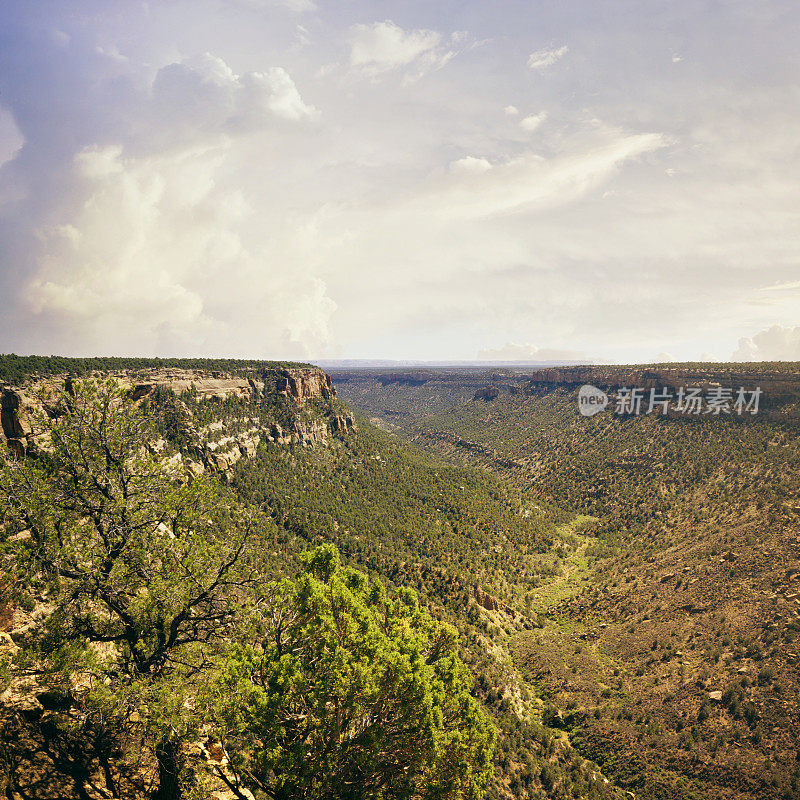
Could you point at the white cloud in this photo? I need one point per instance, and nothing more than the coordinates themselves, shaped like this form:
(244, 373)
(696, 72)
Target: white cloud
(279, 94)
(427, 217)
(530, 181)
(111, 52)
(533, 121)
(777, 343)
(511, 111)
(470, 165)
(542, 59)
(204, 94)
(96, 163)
(11, 139)
(528, 352)
(158, 251)
(61, 38)
(383, 45)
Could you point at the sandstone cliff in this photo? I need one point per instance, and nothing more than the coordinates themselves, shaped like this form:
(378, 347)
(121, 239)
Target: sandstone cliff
(285, 406)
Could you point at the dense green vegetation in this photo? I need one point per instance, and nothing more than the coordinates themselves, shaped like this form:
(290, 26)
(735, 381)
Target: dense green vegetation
(16, 370)
(353, 694)
(633, 472)
(163, 627)
(445, 531)
(399, 512)
(686, 587)
(587, 638)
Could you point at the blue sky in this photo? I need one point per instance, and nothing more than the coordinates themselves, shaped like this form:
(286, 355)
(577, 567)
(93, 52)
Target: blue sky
(429, 180)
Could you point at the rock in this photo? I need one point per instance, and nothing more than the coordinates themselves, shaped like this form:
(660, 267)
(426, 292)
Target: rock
(197, 454)
(340, 422)
(24, 625)
(485, 600)
(304, 382)
(716, 696)
(13, 404)
(8, 647)
(248, 445)
(667, 577)
(22, 695)
(486, 393)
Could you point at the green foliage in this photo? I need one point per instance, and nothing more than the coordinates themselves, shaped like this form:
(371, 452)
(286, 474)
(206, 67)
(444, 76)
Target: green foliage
(142, 572)
(351, 694)
(400, 513)
(163, 619)
(135, 558)
(17, 370)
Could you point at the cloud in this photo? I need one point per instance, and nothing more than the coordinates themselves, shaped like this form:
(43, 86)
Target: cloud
(777, 343)
(397, 223)
(132, 229)
(11, 139)
(542, 59)
(529, 181)
(470, 165)
(511, 111)
(533, 121)
(528, 352)
(384, 46)
(158, 248)
(111, 52)
(205, 94)
(276, 90)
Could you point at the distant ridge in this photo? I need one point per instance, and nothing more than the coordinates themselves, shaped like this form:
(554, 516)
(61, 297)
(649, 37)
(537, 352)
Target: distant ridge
(379, 363)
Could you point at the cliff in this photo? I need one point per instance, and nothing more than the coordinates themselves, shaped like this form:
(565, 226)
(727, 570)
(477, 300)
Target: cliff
(776, 384)
(211, 419)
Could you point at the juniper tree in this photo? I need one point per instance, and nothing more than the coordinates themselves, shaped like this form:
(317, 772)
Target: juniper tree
(348, 693)
(144, 571)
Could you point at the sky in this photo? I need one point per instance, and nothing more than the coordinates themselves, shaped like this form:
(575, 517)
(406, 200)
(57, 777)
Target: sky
(614, 180)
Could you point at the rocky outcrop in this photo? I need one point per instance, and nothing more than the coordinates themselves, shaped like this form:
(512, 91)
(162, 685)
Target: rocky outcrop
(305, 382)
(485, 600)
(220, 445)
(486, 393)
(15, 406)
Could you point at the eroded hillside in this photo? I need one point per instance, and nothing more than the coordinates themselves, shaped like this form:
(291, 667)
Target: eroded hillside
(669, 648)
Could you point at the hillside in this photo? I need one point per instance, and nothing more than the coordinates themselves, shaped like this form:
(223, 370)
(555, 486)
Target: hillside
(470, 544)
(671, 640)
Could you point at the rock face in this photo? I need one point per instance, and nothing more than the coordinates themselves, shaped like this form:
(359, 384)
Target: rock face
(305, 383)
(15, 419)
(775, 385)
(223, 443)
